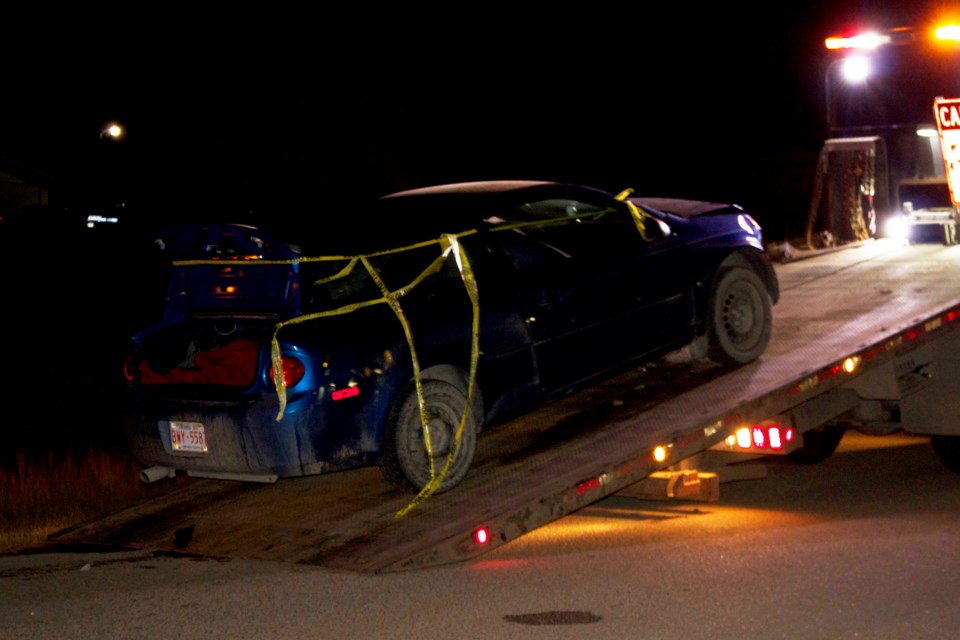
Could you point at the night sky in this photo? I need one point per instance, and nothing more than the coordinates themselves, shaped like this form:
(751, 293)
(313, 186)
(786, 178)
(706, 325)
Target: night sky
(285, 118)
(290, 116)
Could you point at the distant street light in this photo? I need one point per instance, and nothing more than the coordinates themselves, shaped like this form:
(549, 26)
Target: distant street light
(108, 184)
(112, 131)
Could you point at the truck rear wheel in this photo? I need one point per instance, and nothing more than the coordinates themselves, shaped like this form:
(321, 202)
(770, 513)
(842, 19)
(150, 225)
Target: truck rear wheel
(405, 461)
(818, 445)
(947, 449)
(740, 317)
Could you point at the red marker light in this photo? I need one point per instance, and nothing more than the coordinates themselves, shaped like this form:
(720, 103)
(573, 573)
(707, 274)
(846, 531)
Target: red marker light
(481, 535)
(587, 485)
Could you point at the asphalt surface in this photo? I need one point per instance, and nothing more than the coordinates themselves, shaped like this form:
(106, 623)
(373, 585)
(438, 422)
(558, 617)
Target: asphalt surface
(864, 545)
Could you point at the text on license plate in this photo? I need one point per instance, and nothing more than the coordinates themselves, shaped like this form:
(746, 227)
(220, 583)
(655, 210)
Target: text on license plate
(188, 436)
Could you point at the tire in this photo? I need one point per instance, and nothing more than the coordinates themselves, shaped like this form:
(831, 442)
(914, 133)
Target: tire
(405, 462)
(818, 445)
(947, 449)
(740, 317)
(950, 234)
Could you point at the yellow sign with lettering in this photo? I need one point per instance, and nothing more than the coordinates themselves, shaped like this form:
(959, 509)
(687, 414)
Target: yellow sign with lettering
(947, 113)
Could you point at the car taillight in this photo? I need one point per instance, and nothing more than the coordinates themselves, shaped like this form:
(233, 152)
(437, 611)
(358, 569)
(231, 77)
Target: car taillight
(293, 370)
(129, 369)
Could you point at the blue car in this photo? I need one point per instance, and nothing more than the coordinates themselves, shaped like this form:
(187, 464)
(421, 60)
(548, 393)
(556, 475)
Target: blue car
(396, 335)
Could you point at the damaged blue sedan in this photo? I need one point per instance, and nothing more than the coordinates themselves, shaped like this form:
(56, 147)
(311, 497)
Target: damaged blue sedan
(395, 337)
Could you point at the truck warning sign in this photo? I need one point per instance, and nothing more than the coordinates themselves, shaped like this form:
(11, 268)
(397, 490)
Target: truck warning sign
(947, 113)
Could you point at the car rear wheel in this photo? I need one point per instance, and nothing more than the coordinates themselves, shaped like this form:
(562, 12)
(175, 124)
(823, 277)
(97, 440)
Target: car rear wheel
(406, 462)
(740, 317)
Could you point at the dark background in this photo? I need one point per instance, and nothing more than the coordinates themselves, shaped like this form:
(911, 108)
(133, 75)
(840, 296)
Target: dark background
(285, 118)
(289, 115)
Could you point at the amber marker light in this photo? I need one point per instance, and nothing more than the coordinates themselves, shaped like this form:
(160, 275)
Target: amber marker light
(850, 364)
(948, 32)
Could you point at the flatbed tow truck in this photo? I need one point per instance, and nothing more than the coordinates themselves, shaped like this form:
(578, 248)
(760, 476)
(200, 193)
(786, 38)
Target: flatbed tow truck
(866, 336)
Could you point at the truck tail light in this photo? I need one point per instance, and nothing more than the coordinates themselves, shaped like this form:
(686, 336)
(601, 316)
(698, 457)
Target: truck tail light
(767, 438)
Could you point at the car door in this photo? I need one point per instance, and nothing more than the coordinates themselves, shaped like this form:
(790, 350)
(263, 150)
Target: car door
(595, 293)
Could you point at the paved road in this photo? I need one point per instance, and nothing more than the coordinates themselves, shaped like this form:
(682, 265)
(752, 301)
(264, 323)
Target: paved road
(864, 545)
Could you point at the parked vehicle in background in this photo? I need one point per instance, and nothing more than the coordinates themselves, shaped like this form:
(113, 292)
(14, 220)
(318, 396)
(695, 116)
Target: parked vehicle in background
(401, 329)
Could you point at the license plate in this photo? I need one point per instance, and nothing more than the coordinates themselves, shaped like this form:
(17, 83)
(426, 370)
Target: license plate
(188, 437)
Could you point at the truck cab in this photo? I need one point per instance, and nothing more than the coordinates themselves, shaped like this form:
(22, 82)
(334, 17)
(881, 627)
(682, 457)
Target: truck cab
(882, 169)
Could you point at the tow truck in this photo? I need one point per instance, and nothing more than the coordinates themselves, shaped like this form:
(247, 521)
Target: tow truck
(866, 337)
(881, 170)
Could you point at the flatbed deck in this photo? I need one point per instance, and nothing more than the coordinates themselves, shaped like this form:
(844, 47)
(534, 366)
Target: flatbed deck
(538, 468)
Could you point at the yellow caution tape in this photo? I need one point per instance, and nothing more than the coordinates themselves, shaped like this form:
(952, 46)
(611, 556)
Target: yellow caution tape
(450, 247)
(635, 211)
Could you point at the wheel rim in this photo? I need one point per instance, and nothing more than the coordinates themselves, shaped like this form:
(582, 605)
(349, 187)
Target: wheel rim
(441, 435)
(443, 420)
(740, 316)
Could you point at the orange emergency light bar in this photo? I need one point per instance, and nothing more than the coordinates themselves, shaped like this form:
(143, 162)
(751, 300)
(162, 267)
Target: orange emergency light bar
(869, 40)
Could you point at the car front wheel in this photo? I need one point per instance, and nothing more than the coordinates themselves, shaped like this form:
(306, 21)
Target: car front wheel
(740, 317)
(406, 462)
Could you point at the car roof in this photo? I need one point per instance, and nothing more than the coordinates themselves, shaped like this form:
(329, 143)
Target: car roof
(480, 186)
(406, 217)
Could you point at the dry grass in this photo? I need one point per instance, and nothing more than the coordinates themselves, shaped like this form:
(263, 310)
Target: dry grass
(46, 493)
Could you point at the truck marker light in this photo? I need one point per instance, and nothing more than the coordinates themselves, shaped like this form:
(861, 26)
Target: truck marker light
(481, 536)
(861, 41)
(592, 483)
(850, 364)
(948, 32)
(587, 485)
(660, 453)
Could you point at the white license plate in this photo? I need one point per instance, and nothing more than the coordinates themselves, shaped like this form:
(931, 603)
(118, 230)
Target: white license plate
(188, 437)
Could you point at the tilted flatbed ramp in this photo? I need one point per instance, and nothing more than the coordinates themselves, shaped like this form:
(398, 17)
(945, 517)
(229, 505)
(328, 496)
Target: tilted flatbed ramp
(537, 469)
